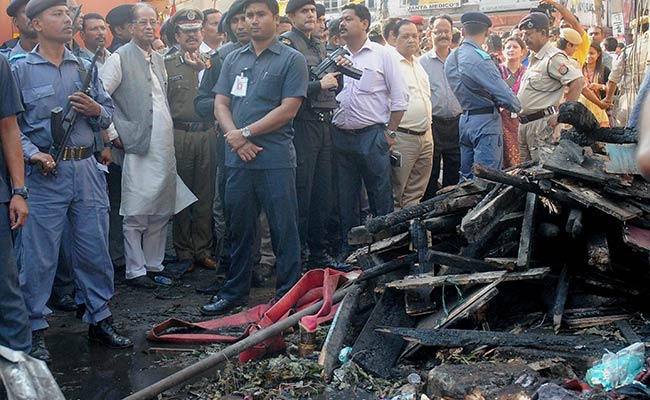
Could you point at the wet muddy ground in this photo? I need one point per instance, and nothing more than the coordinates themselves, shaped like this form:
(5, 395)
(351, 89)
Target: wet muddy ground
(88, 371)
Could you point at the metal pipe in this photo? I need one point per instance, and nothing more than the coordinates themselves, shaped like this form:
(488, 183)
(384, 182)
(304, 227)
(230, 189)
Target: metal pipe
(231, 351)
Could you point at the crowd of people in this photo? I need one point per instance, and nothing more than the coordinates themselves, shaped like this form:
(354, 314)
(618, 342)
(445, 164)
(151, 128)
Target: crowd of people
(225, 126)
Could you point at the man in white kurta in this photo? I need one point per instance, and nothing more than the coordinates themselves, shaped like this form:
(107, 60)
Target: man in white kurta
(151, 189)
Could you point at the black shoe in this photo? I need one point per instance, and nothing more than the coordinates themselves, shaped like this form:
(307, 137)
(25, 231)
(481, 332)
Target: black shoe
(219, 306)
(81, 310)
(65, 303)
(143, 282)
(104, 333)
(39, 349)
(212, 289)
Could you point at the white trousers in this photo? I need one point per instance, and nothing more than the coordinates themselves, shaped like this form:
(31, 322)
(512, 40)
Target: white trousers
(144, 243)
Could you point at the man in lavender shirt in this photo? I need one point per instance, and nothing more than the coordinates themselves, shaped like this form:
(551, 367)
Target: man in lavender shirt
(370, 110)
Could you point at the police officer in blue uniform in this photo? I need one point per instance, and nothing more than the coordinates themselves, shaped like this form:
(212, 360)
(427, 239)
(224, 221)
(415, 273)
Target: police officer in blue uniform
(50, 77)
(259, 91)
(27, 39)
(481, 91)
(14, 320)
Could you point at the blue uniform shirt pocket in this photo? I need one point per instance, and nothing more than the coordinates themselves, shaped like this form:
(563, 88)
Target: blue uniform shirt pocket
(39, 102)
(270, 87)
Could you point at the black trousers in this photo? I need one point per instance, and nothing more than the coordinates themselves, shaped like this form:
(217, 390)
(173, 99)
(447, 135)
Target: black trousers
(446, 149)
(313, 143)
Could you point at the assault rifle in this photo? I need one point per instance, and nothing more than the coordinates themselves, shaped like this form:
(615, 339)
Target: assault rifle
(329, 65)
(63, 122)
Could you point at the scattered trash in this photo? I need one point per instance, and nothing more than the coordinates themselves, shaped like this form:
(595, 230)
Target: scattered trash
(618, 369)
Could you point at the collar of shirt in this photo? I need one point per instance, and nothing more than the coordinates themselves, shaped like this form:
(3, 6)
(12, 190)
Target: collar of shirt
(34, 57)
(434, 55)
(204, 48)
(366, 45)
(402, 58)
(311, 39)
(542, 52)
(472, 43)
(275, 47)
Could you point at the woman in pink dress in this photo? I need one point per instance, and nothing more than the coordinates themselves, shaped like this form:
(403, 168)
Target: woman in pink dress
(512, 71)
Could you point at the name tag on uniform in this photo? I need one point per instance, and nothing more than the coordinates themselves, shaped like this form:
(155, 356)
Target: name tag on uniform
(240, 86)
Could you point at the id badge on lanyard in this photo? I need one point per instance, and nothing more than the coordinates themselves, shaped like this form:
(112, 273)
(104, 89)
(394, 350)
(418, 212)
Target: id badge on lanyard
(240, 86)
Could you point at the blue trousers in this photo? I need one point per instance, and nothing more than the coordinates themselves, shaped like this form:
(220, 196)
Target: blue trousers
(274, 190)
(481, 142)
(77, 196)
(633, 121)
(362, 155)
(14, 321)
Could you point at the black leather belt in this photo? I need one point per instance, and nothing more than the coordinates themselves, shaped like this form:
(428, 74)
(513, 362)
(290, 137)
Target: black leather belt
(440, 119)
(361, 130)
(411, 131)
(76, 153)
(524, 119)
(192, 126)
(479, 111)
(315, 115)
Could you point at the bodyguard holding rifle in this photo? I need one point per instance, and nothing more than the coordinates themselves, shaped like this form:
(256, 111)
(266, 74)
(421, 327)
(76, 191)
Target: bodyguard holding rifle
(50, 77)
(312, 139)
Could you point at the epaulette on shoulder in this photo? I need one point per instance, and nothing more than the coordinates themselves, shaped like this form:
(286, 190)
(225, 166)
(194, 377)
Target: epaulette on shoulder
(286, 40)
(483, 54)
(17, 57)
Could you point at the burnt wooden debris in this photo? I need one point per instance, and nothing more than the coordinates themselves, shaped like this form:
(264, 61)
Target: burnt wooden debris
(517, 260)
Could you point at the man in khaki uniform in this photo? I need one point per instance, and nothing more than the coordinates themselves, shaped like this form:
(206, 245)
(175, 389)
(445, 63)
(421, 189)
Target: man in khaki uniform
(542, 87)
(194, 141)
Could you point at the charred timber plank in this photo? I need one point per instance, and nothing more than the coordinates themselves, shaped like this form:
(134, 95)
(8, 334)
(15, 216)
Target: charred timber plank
(564, 162)
(336, 336)
(418, 301)
(443, 224)
(437, 204)
(449, 338)
(389, 311)
(522, 183)
(462, 308)
(591, 198)
(637, 238)
(527, 231)
(392, 265)
(561, 294)
(581, 323)
(627, 331)
(598, 251)
(477, 224)
(461, 263)
(361, 235)
(427, 280)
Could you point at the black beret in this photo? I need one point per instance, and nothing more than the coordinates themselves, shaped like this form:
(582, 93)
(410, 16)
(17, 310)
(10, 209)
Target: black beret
(534, 20)
(475, 17)
(320, 10)
(35, 7)
(119, 15)
(13, 7)
(295, 5)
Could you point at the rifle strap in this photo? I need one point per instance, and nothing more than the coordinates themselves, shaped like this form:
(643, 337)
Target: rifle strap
(83, 71)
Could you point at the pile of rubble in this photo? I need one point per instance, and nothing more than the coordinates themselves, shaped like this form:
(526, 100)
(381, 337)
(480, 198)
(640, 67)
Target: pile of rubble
(515, 262)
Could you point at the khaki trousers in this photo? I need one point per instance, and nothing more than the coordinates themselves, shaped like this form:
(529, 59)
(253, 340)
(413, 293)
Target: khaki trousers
(537, 140)
(411, 179)
(197, 166)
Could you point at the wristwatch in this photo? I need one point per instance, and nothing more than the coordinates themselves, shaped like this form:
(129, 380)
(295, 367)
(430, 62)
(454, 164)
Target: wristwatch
(391, 134)
(21, 191)
(245, 132)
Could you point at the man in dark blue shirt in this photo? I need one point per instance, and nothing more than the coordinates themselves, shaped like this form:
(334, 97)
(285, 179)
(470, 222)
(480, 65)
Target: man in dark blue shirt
(259, 92)
(14, 320)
